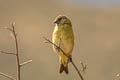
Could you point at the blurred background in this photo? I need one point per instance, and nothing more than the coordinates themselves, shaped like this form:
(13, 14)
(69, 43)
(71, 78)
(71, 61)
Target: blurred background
(96, 25)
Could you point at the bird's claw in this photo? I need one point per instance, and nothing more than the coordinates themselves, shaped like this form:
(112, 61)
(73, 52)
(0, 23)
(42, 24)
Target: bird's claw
(57, 48)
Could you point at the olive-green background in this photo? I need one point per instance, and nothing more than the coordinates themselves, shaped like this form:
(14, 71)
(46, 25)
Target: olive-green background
(96, 30)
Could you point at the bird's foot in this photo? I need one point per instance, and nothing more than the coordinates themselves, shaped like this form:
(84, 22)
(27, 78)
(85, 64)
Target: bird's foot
(57, 48)
(69, 58)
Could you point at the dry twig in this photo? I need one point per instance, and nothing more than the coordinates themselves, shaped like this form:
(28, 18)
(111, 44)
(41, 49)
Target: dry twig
(4, 52)
(7, 76)
(17, 52)
(26, 62)
(18, 65)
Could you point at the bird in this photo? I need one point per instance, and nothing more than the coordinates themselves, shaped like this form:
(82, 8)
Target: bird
(63, 37)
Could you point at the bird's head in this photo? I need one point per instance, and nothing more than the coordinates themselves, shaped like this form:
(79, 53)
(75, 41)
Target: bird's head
(62, 20)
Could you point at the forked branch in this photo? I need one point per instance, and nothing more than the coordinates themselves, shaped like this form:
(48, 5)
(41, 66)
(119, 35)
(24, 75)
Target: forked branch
(18, 65)
(17, 51)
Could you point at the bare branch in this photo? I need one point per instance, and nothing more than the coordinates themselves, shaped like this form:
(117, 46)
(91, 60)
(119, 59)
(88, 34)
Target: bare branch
(17, 51)
(18, 65)
(80, 75)
(26, 62)
(9, 29)
(7, 52)
(7, 76)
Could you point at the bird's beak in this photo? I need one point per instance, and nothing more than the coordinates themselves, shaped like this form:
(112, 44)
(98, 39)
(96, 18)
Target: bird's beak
(55, 21)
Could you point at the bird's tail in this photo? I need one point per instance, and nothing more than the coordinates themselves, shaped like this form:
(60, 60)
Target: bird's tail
(63, 66)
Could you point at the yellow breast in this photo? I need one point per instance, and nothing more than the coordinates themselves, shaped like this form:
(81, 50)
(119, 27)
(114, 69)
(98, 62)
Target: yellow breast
(63, 37)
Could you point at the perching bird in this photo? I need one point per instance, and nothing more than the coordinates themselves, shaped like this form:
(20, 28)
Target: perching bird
(64, 38)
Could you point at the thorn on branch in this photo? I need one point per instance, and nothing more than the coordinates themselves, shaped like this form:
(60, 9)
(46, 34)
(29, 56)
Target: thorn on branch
(7, 76)
(26, 62)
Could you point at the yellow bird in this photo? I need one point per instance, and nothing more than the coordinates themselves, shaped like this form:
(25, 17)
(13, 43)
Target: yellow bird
(64, 38)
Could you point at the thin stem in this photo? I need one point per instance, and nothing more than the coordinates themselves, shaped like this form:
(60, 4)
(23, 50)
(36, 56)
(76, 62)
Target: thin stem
(7, 52)
(7, 76)
(26, 62)
(80, 75)
(77, 70)
(17, 53)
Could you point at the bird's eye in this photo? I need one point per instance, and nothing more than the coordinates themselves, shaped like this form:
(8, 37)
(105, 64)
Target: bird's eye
(59, 19)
